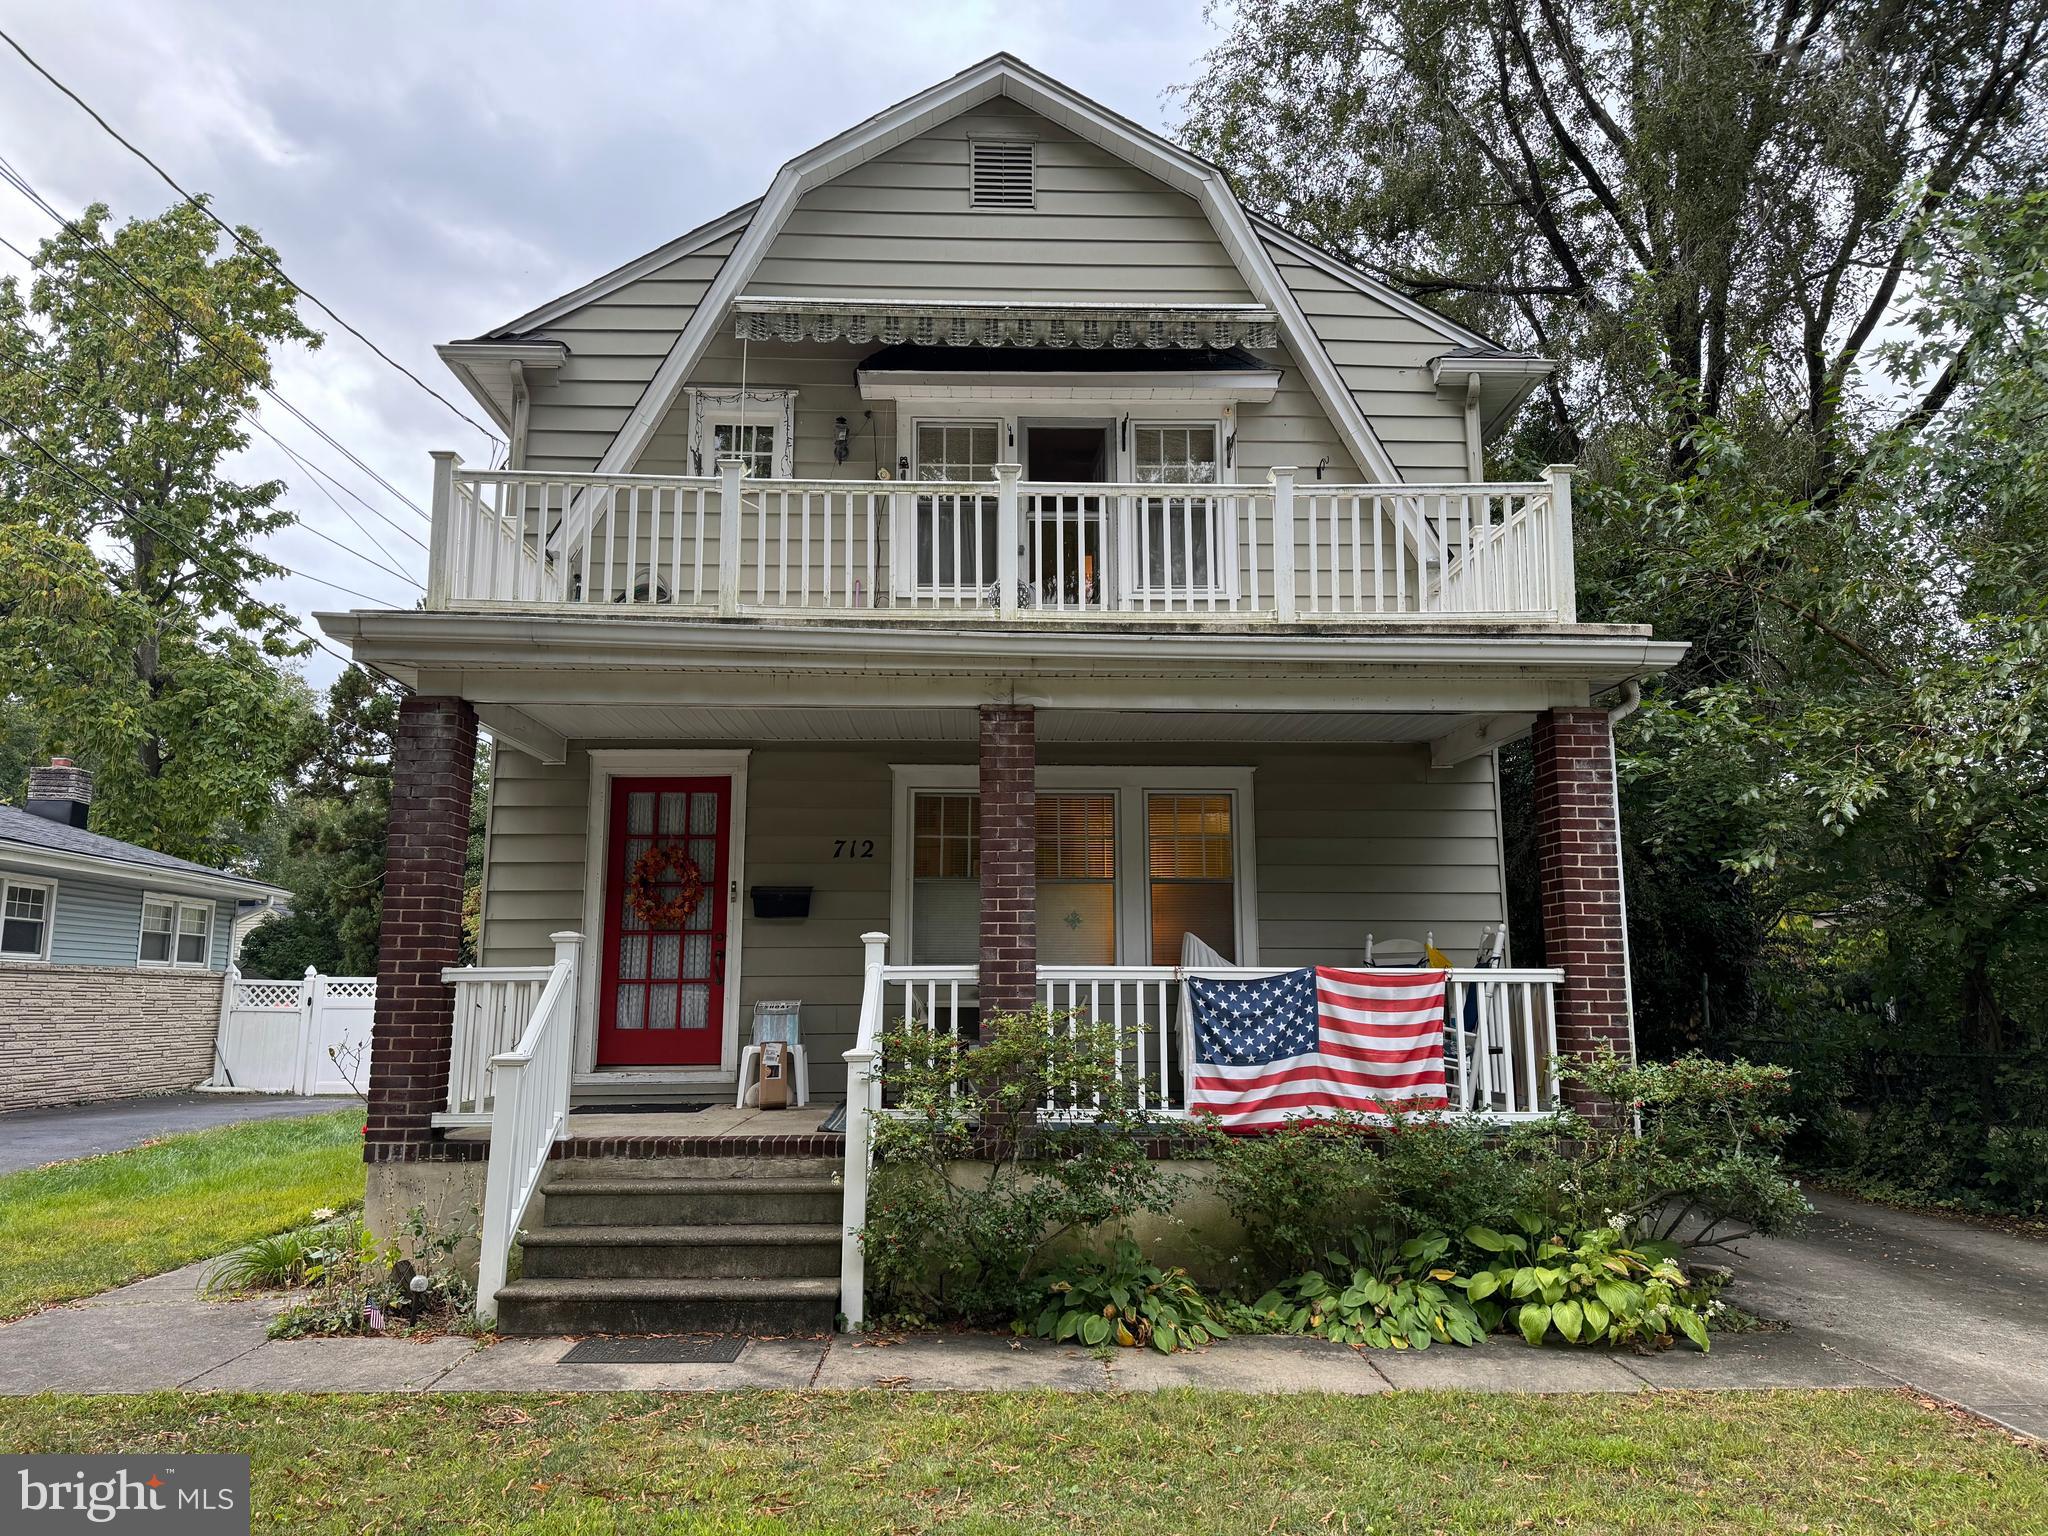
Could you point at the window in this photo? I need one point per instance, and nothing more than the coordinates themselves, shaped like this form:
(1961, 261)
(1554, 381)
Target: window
(1000, 173)
(753, 441)
(1077, 879)
(1182, 540)
(25, 908)
(1189, 851)
(945, 882)
(956, 534)
(176, 931)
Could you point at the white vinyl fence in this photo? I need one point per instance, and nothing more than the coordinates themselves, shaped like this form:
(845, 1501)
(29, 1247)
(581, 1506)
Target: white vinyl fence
(306, 1036)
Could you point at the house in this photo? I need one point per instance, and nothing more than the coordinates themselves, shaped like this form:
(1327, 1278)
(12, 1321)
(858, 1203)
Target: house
(977, 571)
(111, 955)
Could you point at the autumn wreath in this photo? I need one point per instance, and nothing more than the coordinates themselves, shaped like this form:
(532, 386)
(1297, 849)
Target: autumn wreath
(655, 908)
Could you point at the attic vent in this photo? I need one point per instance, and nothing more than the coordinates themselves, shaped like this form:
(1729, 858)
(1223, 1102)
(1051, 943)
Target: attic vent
(1000, 173)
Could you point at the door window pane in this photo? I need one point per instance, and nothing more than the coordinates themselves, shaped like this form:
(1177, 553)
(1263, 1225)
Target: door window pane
(1077, 879)
(1168, 455)
(159, 931)
(945, 882)
(1179, 538)
(956, 535)
(1189, 853)
(25, 921)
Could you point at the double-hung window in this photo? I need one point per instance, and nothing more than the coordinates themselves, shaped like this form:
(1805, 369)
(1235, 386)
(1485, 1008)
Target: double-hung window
(955, 536)
(26, 910)
(751, 441)
(176, 931)
(1183, 539)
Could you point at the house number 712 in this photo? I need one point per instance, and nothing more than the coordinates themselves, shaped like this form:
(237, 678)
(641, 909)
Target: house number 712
(854, 848)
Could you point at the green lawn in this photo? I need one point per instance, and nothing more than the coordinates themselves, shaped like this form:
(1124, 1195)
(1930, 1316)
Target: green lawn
(72, 1229)
(1413, 1463)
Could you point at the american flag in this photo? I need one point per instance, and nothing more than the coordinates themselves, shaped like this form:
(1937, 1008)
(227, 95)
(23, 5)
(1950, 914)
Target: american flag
(1309, 1043)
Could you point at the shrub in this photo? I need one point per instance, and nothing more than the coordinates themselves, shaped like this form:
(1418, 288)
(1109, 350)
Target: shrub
(365, 1288)
(1386, 1293)
(974, 1179)
(2016, 1168)
(1592, 1290)
(1123, 1300)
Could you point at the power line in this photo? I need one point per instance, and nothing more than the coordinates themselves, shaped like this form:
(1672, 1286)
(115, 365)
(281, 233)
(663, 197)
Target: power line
(183, 548)
(236, 236)
(22, 185)
(287, 450)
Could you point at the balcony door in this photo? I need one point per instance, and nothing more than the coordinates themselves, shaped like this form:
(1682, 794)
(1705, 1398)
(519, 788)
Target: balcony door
(1066, 528)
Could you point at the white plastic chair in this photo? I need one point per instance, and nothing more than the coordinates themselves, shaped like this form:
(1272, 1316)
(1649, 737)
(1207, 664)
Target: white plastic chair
(774, 1021)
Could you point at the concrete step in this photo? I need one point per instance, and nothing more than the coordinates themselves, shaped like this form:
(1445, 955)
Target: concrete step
(671, 1252)
(613, 1169)
(772, 1306)
(602, 1201)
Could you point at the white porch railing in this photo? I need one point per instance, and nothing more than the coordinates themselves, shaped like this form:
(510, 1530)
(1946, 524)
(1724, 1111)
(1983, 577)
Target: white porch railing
(529, 1095)
(1007, 549)
(492, 1010)
(1500, 1048)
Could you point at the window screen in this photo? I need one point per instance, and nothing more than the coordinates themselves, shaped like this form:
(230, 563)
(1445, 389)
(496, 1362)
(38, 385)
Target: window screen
(159, 931)
(1180, 539)
(956, 535)
(1194, 886)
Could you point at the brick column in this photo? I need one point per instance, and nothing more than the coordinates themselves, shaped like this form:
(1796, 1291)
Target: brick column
(433, 759)
(1579, 873)
(1009, 858)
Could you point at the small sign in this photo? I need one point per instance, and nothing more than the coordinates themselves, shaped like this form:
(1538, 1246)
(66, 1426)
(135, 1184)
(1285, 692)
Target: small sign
(159, 1495)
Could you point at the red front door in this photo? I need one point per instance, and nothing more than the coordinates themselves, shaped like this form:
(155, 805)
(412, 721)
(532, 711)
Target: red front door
(662, 993)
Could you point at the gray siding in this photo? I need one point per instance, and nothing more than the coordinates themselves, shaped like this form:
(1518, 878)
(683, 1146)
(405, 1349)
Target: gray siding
(99, 922)
(900, 224)
(1383, 357)
(1349, 841)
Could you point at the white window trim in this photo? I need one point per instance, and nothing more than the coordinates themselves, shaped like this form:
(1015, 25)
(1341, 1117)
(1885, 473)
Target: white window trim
(49, 890)
(1133, 873)
(648, 763)
(714, 405)
(179, 905)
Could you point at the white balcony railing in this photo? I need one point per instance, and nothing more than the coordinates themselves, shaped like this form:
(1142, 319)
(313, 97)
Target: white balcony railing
(1005, 549)
(1500, 1047)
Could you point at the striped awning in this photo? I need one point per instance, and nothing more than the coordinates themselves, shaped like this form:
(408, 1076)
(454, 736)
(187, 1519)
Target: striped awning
(938, 323)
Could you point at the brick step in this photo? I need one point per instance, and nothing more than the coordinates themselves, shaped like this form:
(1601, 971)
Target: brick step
(759, 1307)
(674, 1252)
(643, 1201)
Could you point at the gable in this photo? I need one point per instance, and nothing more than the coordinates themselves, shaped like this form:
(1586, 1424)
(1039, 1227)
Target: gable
(1100, 229)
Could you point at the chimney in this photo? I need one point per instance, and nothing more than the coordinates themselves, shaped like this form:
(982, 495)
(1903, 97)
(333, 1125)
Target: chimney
(61, 792)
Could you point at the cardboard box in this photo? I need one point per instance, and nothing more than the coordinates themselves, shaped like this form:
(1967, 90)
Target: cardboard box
(773, 1079)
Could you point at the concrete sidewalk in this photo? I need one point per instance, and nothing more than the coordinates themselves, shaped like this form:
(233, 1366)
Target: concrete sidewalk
(159, 1334)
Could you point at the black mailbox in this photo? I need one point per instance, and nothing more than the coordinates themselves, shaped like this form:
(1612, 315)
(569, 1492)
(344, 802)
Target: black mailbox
(781, 900)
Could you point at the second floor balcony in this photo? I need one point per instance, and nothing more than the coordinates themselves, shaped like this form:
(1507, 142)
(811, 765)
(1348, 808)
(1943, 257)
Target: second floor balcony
(1007, 550)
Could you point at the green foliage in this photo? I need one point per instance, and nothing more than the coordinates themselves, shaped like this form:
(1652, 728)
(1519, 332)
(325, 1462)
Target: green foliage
(1594, 1289)
(286, 1260)
(128, 557)
(355, 1285)
(1387, 1292)
(1121, 1299)
(973, 1179)
(281, 948)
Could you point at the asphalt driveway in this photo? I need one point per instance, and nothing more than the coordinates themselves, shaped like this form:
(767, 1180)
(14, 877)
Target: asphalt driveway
(1956, 1310)
(31, 1137)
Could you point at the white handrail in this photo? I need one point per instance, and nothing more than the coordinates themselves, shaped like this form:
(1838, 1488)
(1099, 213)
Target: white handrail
(529, 1106)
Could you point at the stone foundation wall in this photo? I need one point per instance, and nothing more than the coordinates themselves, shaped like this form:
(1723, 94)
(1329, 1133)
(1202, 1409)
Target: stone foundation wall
(72, 1034)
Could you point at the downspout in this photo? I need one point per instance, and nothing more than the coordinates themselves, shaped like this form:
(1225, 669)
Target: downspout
(1475, 451)
(515, 450)
(1631, 701)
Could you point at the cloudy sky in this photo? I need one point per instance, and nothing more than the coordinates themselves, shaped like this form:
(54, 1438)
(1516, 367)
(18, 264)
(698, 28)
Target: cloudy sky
(433, 170)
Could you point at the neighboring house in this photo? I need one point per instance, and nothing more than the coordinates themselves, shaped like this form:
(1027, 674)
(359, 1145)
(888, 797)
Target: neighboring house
(111, 955)
(996, 538)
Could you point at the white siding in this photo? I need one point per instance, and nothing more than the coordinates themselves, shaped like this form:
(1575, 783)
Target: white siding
(1349, 841)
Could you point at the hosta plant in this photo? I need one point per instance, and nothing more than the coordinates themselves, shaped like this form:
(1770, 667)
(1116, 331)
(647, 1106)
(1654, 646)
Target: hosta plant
(1124, 1300)
(1592, 1289)
(1388, 1293)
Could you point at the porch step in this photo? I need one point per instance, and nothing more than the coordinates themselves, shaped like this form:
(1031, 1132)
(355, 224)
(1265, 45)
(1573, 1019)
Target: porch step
(587, 1200)
(752, 1306)
(679, 1252)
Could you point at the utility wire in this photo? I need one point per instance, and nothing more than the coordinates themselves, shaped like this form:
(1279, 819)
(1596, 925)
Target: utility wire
(22, 185)
(236, 235)
(290, 453)
(185, 549)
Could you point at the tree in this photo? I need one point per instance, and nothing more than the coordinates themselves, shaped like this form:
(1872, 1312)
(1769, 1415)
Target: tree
(125, 372)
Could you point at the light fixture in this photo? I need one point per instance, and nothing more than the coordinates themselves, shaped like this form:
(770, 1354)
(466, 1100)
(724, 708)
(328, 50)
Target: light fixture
(839, 440)
(1322, 464)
